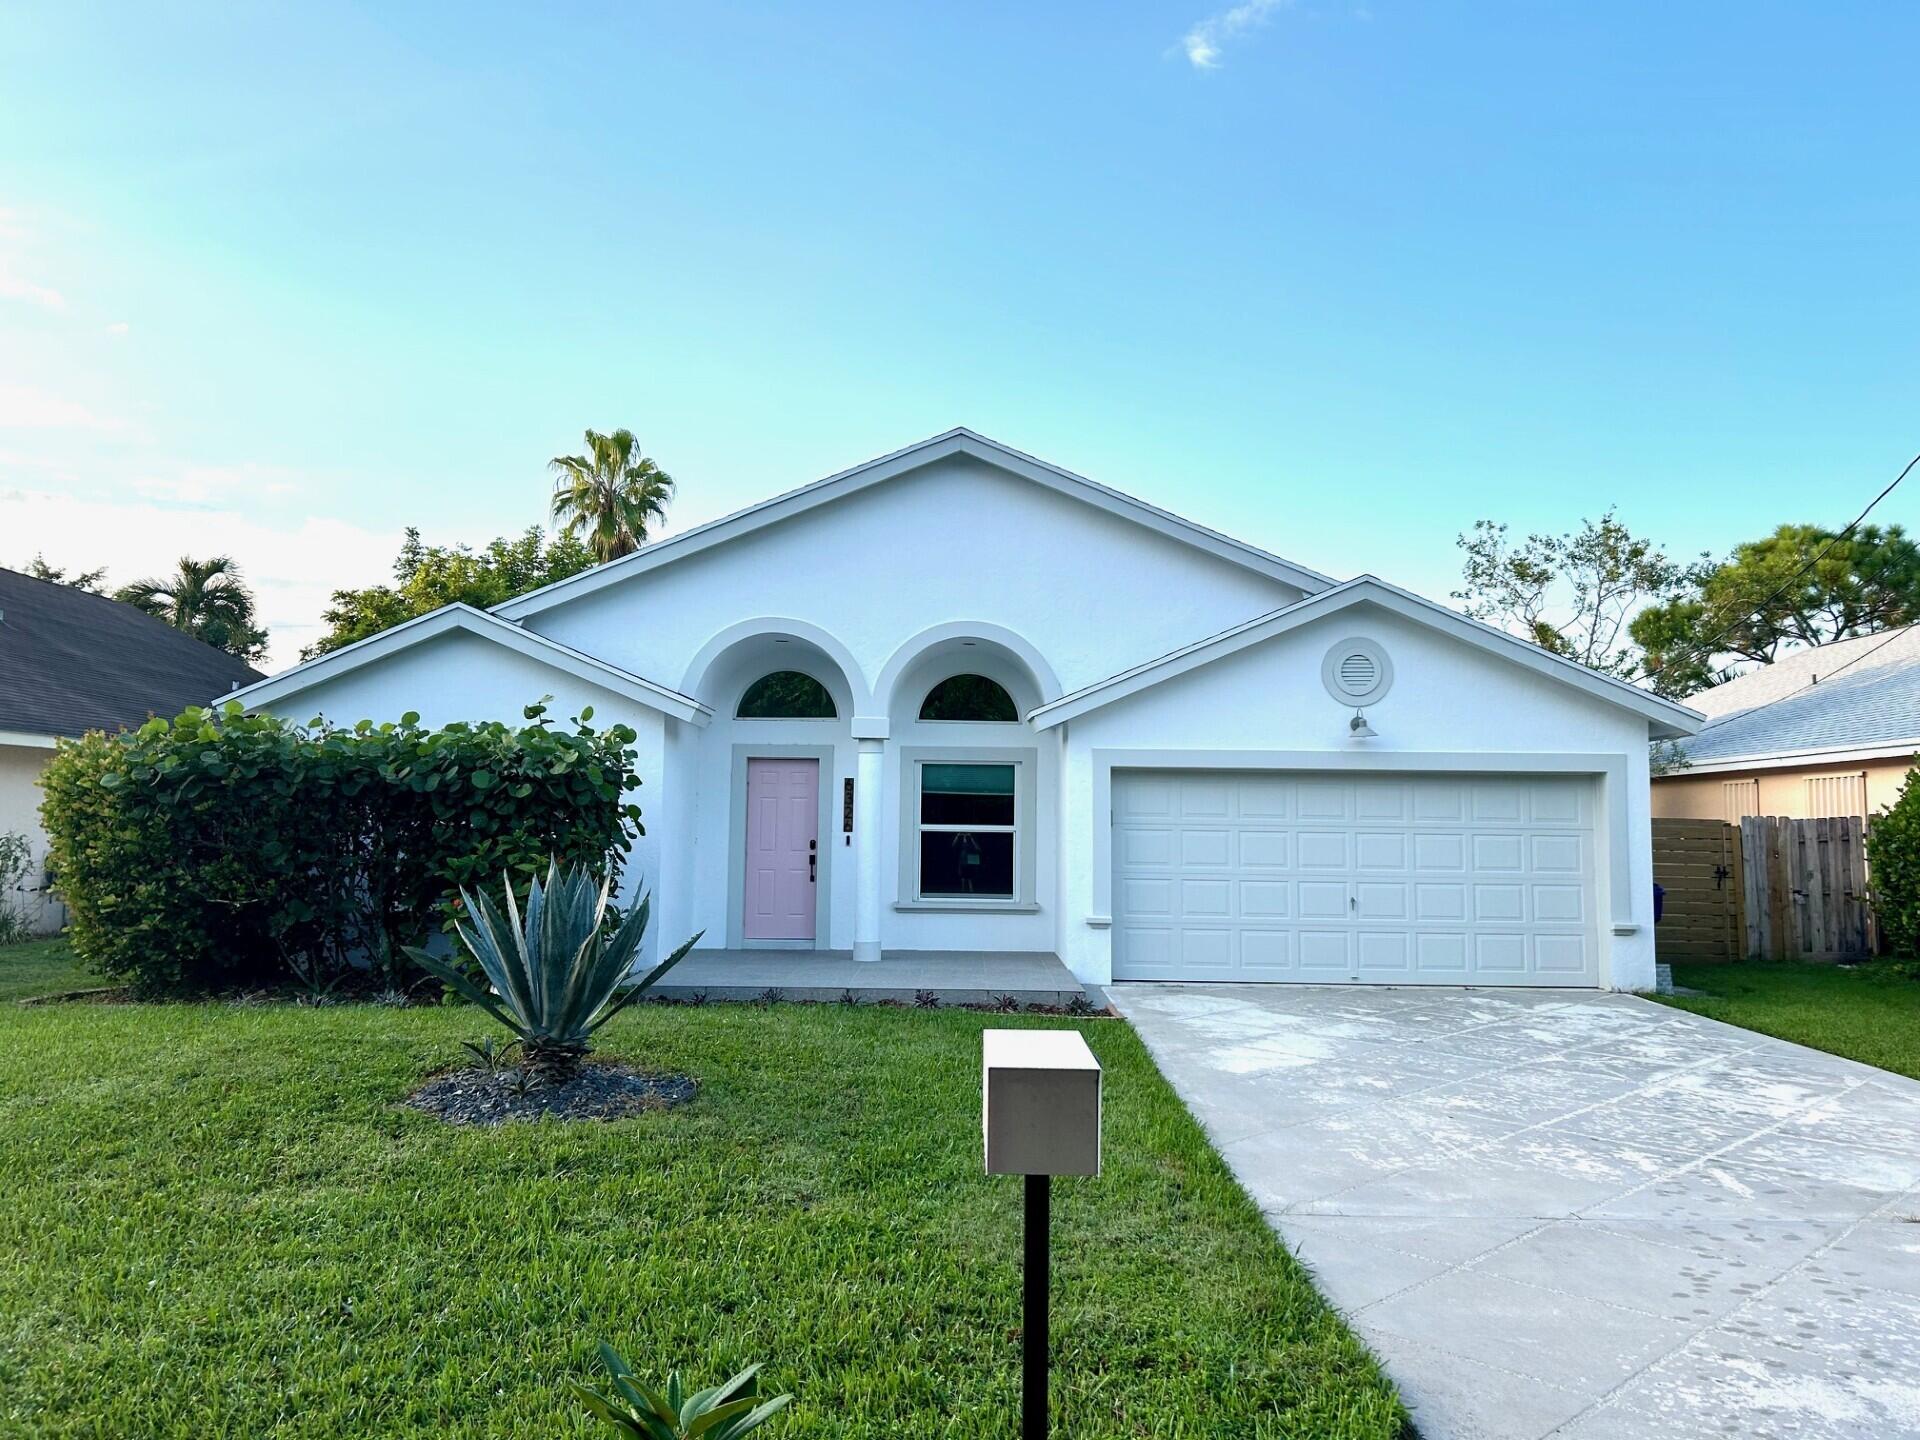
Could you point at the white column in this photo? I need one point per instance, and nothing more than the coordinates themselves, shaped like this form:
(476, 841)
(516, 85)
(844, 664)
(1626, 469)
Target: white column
(866, 844)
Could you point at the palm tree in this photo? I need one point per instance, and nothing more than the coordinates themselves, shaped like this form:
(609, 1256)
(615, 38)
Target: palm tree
(205, 598)
(610, 494)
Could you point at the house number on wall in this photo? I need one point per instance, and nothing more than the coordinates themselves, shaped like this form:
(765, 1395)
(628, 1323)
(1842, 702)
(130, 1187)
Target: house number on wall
(846, 808)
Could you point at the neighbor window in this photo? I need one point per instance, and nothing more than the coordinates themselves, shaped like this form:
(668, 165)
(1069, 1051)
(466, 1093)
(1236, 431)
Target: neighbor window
(967, 829)
(968, 697)
(786, 695)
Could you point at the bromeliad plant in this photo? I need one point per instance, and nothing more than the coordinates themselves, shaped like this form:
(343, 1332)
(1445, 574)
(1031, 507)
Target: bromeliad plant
(639, 1411)
(556, 974)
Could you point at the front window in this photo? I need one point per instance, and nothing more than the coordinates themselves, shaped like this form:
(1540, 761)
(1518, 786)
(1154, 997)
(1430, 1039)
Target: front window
(968, 697)
(967, 831)
(786, 695)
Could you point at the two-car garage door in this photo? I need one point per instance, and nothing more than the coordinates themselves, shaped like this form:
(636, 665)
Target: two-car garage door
(1325, 879)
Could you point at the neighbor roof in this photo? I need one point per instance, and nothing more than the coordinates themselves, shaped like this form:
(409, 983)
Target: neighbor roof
(959, 441)
(457, 616)
(72, 661)
(1859, 695)
(1666, 717)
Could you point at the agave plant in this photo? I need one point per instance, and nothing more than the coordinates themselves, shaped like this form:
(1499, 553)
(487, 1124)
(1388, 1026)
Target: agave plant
(635, 1409)
(556, 974)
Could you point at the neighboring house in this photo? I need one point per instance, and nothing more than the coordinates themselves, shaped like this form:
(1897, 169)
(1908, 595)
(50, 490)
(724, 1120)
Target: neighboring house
(958, 699)
(70, 662)
(1826, 731)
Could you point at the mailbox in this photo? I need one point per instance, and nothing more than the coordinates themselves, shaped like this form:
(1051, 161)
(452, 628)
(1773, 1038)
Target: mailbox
(1039, 1117)
(1040, 1103)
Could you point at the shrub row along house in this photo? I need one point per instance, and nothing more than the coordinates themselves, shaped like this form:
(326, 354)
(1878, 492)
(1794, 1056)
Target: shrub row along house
(73, 661)
(958, 699)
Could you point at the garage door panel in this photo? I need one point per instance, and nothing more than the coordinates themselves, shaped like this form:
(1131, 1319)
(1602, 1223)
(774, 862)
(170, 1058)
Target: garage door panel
(1555, 854)
(1132, 847)
(1325, 849)
(1266, 849)
(1147, 898)
(1323, 899)
(1384, 954)
(1559, 903)
(1381, 850)
(1266, 899)
(1380, 900)
(1327, 879)
(1499, 852)
(1267, 954)
(1326, 953)
(1440, 850)
(1441, 954)
(1437, 903)
(1206, 849)
(1206, 899)
(1562, 954)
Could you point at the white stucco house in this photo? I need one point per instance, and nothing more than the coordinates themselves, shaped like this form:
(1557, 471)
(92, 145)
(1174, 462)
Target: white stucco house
(957, 699)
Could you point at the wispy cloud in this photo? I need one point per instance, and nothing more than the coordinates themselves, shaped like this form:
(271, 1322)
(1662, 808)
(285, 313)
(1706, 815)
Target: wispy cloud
(1203, 43)
(15, 286)
(27, 407)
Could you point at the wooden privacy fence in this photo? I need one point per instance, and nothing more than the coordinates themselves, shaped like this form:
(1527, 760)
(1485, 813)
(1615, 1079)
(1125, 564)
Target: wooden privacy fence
(1806, 888)
(1769, 888)
(1698, 863)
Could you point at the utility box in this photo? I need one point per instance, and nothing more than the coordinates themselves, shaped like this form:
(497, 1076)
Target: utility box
(1040, 1103)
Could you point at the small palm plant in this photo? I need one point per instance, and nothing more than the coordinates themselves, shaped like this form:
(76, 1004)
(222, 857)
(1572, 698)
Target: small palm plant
(556, 974)
(637, 1410)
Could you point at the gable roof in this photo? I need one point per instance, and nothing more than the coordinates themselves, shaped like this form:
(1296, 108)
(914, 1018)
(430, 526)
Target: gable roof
(72, 661)
(1858, 696)
(465, 618)
(959, 441)
(1666, 717)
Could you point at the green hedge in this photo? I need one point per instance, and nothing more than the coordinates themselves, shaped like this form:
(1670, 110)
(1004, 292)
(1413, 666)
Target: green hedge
(1893, 866)
(223, 849)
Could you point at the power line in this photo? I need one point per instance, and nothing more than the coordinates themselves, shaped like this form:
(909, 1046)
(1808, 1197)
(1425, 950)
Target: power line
(1818, 679)
(1707, 649)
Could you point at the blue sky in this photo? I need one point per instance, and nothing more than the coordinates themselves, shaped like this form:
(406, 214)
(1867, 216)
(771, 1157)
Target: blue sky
(282, 280)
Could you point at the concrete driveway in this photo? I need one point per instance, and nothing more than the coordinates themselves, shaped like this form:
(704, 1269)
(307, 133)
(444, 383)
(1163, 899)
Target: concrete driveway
(1585, 1216)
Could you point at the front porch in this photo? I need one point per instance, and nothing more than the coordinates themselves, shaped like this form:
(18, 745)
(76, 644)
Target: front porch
(954, 977)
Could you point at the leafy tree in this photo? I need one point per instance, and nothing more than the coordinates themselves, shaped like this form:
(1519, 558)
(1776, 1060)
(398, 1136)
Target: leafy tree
(1758, 600)
(610, 494)
(1573, 594)
(88, 580)
(429, 576)
(207, 599)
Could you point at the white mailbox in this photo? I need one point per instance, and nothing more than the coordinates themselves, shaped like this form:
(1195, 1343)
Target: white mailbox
(1040, 1103)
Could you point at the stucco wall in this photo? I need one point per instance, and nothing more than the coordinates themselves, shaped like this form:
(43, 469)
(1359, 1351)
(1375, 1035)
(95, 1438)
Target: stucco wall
(1781, 791)
(955, 540)
(1449, 701)
(20, 768)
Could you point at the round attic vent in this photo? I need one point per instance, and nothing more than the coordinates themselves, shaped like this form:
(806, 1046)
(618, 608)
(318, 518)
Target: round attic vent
(1357, 672)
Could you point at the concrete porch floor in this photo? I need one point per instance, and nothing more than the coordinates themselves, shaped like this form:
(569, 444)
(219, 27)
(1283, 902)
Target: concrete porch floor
(956, 977)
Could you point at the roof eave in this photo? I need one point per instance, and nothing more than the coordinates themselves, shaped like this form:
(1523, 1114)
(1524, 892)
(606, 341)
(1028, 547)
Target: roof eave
(276, 689)
(1666, 719)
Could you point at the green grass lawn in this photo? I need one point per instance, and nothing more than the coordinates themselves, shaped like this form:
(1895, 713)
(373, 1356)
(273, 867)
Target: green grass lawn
(1865, 1012)
(42, 967)
(218, 1222)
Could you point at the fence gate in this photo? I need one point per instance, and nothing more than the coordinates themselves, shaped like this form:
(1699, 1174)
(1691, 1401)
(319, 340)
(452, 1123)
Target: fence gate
(1805, 888)
(1698, 863)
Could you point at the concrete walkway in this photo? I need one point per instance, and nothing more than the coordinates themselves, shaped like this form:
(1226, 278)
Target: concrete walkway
(1585, 1216)
(955, 977)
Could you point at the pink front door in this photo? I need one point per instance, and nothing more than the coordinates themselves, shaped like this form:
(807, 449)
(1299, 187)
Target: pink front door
(783, 833)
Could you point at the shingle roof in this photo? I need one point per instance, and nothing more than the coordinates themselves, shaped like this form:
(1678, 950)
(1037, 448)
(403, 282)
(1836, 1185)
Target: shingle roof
(71, 662)
(1853, 693)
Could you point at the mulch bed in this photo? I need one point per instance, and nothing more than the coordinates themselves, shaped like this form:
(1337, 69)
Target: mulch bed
(601, 1091)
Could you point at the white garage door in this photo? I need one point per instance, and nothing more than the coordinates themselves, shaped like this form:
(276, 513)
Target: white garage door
(1472, 880)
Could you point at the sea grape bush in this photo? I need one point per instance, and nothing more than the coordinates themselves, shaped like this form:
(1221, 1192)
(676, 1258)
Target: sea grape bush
(223, 849)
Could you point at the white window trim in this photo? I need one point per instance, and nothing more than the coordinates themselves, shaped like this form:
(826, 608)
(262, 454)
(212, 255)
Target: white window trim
(1025, 762)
